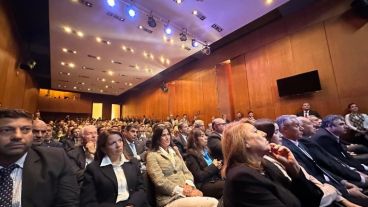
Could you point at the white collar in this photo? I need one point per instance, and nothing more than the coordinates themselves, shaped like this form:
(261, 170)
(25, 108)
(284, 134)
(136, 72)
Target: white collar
(106, 161)
(294, 142)
(171, 151)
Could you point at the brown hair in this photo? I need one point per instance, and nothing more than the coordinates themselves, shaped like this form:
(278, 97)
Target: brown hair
(101, 143)
(193, 142)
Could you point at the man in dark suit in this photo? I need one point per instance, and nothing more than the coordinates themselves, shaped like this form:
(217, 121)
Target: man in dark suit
(48, 140)
(132, 148)
(81, 156)
(328, 137)
(181, 140)
(306, 111)
(74, 141)
(291, 134)
(32, 175)
(214, 140)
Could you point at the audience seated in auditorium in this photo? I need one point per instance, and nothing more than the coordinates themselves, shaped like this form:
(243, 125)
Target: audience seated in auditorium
(328, 137)
(49, 141)
(251, 117)
(82, 155)
(291, 138)
(112, 179)
(330, 193)
(72, 141)
(214, 139)
(315, 121)
(252, 180)
(132, 148)
(306, 111)
(182, 139)
(32, 175)
(172, 180)
(238, 116)
(206, 171)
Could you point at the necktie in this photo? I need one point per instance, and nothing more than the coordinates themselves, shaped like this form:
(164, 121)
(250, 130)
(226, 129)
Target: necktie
(6, 186)
(132, 147)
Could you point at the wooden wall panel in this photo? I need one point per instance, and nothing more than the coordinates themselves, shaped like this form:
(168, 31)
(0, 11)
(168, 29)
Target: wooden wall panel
(224, 89)
(15, 91)
(239, 80)
(347, 39)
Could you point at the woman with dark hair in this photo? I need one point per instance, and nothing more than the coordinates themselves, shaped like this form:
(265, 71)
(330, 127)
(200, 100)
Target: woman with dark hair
(358, 124)
(253, 181)
(112, 179)
(172, 180)
(206, 171)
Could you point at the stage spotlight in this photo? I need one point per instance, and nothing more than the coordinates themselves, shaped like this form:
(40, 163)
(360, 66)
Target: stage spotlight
(151, 21)
(168, 30)
(206, 50)
(131, 12)
(183, 36)
(111, 3)
(194, 43)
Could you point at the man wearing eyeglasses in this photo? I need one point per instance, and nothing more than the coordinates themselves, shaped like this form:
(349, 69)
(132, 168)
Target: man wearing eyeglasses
(214, 139)
(32, 175)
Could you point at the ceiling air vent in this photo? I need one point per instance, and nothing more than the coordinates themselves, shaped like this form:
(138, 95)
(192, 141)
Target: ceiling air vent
(84, 76)
(217, 27)
(115, 16)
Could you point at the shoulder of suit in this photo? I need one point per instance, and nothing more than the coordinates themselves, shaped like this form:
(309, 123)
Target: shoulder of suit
(52, 151)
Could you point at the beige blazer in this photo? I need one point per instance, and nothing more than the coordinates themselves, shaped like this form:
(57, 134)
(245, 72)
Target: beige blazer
(165, 176)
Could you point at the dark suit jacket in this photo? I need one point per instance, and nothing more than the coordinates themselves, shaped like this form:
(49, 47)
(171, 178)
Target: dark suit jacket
(181, 144)
(311, 112)
(214, 144)
(52, 143)
(245, 186)
(100, 186)
(68, 143)
(78, 162)
(47, 179)
(202, 172)
(308, 164)
(329, 162)
(329, 142)
(140, 147)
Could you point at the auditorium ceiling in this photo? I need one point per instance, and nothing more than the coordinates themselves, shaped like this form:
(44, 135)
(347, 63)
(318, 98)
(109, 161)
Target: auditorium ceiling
(96, 46)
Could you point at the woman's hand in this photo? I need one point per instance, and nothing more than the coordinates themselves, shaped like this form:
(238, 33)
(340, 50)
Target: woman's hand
(217, 163)
(196, 193)
(286, 158)
(91, 147)
(187, 190)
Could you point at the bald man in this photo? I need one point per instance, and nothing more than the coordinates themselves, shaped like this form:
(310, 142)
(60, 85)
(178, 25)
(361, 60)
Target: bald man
(214, 140)
(39, 129)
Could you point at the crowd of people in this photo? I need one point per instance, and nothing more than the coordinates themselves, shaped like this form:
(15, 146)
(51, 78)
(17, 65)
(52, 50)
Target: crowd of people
(295, 160)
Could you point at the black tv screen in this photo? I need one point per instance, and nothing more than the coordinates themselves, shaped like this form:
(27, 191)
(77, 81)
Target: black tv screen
(299, 84)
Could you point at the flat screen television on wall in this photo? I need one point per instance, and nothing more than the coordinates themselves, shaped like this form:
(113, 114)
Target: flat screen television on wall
(299, 84)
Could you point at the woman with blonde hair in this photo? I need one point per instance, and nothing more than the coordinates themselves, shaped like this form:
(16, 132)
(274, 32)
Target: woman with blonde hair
(254, 181)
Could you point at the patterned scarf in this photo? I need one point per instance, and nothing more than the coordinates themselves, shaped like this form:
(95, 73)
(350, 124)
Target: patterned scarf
(357, 120)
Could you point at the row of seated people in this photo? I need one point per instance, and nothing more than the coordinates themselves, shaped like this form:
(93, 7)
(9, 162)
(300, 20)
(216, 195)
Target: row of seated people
(257, 173)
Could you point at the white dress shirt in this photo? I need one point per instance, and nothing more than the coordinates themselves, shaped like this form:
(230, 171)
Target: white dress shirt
(123, 193)
(16, 175)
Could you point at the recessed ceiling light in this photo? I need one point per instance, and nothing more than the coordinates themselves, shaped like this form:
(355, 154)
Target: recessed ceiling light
(110, 72)
(67, 29)
(178, 1)
(88, 89)
(98, 39)
(112, 81)
(103, 79)
(65, 50)
(68, 74)
(71, 65)
(62, 63)
(195, 12)
(106, 86)
(98, 58)
(80, 34)
(74, 87)
(131, 12)
(101, 91)
(268, 2)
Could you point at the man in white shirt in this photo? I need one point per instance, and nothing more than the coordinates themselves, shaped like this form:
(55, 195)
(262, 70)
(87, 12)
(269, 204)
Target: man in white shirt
(32, 175)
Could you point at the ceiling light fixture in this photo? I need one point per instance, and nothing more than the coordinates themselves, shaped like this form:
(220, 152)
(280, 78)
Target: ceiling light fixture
(111, 3)
(151, 21)
(131, 12)
(183, 36)
(195, 43)
(178, 1)
(168, 30)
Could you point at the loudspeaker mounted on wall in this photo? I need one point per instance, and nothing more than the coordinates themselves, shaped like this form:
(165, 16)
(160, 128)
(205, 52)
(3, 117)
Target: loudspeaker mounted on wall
(360, 7)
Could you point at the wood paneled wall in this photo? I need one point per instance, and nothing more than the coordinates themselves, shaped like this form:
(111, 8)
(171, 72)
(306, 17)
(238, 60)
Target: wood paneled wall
(326, 36)
(81, 104)
(17, 88)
